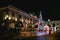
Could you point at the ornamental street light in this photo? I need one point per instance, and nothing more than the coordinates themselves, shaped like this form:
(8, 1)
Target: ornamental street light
(9, 18)
(48, 19)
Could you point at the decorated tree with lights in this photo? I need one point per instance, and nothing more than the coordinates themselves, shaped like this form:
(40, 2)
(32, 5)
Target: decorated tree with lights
(41, 22)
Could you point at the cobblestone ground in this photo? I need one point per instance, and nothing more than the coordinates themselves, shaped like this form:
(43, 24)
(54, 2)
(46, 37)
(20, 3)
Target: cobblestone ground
(13, 36)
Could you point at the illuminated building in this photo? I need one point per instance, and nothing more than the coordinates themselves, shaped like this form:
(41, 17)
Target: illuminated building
(53, 24)
(12, 14)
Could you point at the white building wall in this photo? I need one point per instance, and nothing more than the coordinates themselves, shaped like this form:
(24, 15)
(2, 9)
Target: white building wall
(53, 22)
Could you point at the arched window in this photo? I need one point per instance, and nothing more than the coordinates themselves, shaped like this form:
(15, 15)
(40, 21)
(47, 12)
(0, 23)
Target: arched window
(13, 14)
(57, 23)
(19, 24)
(53, 24)
(36, 26)
(1, 15)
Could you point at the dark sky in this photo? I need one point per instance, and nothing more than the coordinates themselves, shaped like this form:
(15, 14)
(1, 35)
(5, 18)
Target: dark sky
(49, 8)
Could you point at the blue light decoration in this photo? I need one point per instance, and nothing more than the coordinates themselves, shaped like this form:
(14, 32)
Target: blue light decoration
(42, 38)
(42, 30)
(41, 22)
(45, 31)
(40, 33)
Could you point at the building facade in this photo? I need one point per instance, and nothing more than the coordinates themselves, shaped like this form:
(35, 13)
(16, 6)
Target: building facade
(54, 25)
(11, 14)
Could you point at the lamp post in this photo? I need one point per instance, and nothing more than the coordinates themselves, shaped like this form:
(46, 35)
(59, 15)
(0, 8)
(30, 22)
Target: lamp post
(48, 19)
(49, 26)
(9, 18)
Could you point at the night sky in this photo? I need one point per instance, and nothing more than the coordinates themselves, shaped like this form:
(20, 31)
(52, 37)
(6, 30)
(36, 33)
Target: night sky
(50, 9)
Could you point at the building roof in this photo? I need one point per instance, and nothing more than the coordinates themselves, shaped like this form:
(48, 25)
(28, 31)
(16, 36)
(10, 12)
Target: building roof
(18, 10)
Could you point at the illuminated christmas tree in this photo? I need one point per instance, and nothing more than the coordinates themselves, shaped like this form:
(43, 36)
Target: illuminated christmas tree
(41, 22)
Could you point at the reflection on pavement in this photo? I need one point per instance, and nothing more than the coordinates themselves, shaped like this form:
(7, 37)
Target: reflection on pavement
(41, 38)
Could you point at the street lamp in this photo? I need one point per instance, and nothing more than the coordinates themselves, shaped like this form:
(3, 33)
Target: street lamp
(48, 19)
(6, 16)
(29, 21)
(9, 18)
(22, 20)
(49, 22)
(15, 19)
